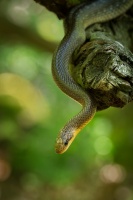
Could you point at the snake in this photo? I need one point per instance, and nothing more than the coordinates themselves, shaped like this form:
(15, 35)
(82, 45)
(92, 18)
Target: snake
(79, 18)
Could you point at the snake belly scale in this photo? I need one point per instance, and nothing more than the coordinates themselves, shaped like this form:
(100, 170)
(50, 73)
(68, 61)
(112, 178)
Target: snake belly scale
(79, 18)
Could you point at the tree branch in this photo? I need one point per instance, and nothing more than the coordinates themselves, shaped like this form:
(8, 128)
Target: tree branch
(103, 65)
(59, 7)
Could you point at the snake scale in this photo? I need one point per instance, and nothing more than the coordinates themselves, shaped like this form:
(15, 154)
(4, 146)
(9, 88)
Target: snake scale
(79, 18)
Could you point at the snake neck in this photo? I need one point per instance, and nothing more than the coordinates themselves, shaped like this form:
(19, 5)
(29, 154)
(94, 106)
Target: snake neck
(74, 126)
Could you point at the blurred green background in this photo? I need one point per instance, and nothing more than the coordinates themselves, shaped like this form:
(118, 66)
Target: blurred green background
(98, 165)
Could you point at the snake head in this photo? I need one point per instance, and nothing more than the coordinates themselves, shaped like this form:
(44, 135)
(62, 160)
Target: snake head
(63, 141)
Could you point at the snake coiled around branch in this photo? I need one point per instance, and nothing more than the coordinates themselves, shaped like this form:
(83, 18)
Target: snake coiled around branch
(79, 18)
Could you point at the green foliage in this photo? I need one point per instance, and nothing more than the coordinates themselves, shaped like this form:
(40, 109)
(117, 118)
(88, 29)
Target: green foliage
(33, 110)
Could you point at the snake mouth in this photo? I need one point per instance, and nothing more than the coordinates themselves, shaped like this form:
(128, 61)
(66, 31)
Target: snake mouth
(60, 148)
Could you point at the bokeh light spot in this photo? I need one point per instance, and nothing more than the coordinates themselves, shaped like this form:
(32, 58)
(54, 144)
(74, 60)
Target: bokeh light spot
(123, 193)
(49, 27)
(22, 62)
(101, 126)
(103, 145)
(112, 173)
(34, 106)
(20, 10)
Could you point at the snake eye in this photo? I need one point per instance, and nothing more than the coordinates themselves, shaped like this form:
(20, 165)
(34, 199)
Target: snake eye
(66, 142)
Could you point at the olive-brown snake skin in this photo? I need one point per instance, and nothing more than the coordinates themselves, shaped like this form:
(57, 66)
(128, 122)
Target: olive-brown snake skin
(80, 17)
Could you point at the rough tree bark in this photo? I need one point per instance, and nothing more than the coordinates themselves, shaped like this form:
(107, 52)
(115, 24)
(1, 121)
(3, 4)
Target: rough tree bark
(59, 7)
(104, 64)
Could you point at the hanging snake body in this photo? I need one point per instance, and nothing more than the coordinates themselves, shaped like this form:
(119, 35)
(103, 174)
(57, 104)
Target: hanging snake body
(80, 17)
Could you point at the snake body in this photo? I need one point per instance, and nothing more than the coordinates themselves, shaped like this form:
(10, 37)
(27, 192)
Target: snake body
(80, 17)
